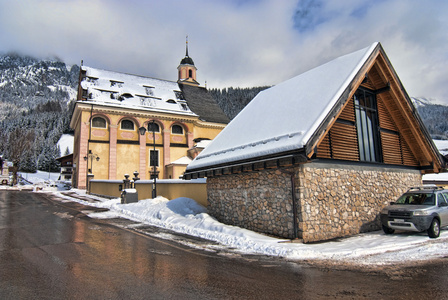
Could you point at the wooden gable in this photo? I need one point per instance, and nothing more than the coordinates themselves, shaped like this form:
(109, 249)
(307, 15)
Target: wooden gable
(402, 138)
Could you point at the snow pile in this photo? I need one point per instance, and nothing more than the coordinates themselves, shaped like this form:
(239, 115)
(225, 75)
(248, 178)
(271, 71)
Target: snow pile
(184, 215)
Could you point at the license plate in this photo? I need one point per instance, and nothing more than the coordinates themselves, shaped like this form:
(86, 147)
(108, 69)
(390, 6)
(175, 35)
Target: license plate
(398, 220)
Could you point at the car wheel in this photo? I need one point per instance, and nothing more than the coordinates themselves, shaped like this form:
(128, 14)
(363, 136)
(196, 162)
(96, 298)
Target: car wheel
(434, 229)
(388, 230)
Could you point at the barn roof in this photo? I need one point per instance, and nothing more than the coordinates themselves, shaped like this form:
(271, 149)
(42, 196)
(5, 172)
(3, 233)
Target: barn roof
(291, 116)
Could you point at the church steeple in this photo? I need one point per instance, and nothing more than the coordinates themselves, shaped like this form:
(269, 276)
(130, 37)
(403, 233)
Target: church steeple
(187, 69)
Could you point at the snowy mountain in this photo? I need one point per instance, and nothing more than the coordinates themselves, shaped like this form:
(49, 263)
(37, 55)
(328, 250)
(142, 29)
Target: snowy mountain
(35, 107)
(27, 82)
(435, 117)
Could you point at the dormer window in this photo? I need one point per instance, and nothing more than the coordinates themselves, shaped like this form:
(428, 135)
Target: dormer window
(114, 83)
(124, 96)
(149, 90)
(179, 95)
(93, 80)
(171, 101)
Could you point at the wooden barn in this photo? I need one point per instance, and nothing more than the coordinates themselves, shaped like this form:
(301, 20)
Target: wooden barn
(318, 156)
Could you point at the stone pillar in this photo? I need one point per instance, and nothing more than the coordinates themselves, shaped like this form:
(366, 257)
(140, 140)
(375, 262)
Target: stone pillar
(113, 134)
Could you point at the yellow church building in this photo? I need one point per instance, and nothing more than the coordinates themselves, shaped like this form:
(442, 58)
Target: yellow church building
(125, 123)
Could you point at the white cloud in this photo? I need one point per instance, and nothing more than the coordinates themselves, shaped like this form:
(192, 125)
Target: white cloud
(233, 43)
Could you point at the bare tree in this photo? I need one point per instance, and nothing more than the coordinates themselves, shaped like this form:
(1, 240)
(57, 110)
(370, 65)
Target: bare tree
(19, 142)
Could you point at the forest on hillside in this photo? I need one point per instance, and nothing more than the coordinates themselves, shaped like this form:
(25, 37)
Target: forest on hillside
(233, 100)
(35, 107)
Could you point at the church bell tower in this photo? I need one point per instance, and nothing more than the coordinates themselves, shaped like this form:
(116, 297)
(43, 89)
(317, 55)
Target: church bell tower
(187, 70)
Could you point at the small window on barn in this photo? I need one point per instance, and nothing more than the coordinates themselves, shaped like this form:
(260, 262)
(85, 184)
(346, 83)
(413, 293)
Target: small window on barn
(367, 126)
(190, 73)
(99, 122)
(177, 129)
(127, 125)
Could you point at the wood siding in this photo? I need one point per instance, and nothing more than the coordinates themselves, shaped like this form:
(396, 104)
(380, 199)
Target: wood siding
(341, 141)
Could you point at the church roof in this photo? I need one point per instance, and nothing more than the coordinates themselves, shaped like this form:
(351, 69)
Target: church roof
(110, 88)
(132, 91)
(202, 103)
(289, 117)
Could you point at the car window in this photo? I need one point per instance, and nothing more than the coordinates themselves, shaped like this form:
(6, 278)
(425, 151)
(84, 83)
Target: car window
(429, 200)
(442, 198)
(416, 199)
(445, 194)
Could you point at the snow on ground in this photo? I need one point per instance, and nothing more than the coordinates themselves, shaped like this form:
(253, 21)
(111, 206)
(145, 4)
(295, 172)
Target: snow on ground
(40, 176)
(184, 215)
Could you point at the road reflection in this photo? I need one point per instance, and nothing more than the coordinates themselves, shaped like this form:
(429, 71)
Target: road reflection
(51, 252)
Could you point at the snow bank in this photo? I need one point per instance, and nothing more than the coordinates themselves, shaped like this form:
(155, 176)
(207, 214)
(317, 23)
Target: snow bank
(184, 215)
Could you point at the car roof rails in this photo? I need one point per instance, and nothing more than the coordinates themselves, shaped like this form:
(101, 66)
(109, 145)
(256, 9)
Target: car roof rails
(425, 187)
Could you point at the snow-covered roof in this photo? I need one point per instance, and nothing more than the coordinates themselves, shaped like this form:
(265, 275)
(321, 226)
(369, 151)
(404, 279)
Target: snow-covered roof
(184, 160)
(284, 117)
(203, 143)
(133, 91)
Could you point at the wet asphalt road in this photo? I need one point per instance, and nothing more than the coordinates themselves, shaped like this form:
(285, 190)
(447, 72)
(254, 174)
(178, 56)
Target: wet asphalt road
(50, 250)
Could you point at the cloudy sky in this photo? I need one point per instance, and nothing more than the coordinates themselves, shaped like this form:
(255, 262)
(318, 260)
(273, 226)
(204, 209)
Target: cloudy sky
(233, 42)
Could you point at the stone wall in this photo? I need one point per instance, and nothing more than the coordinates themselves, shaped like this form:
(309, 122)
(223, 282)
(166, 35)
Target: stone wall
(333, 200)
(342, 200)
(259, 201)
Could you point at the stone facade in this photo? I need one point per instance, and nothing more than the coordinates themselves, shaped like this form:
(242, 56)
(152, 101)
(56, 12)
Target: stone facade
(259, 201)
(333, 200)
(342, 200)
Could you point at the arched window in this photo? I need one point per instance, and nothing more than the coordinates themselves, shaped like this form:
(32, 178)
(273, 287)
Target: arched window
(127, 125)
(190, 73)
(99, 122)
(153, 127)
(177, 129)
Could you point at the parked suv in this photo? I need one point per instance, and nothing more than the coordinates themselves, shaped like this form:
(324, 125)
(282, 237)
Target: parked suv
(419, 209)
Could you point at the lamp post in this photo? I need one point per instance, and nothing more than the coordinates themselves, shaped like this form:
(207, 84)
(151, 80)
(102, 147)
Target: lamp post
(142, 131)
(92, 157)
